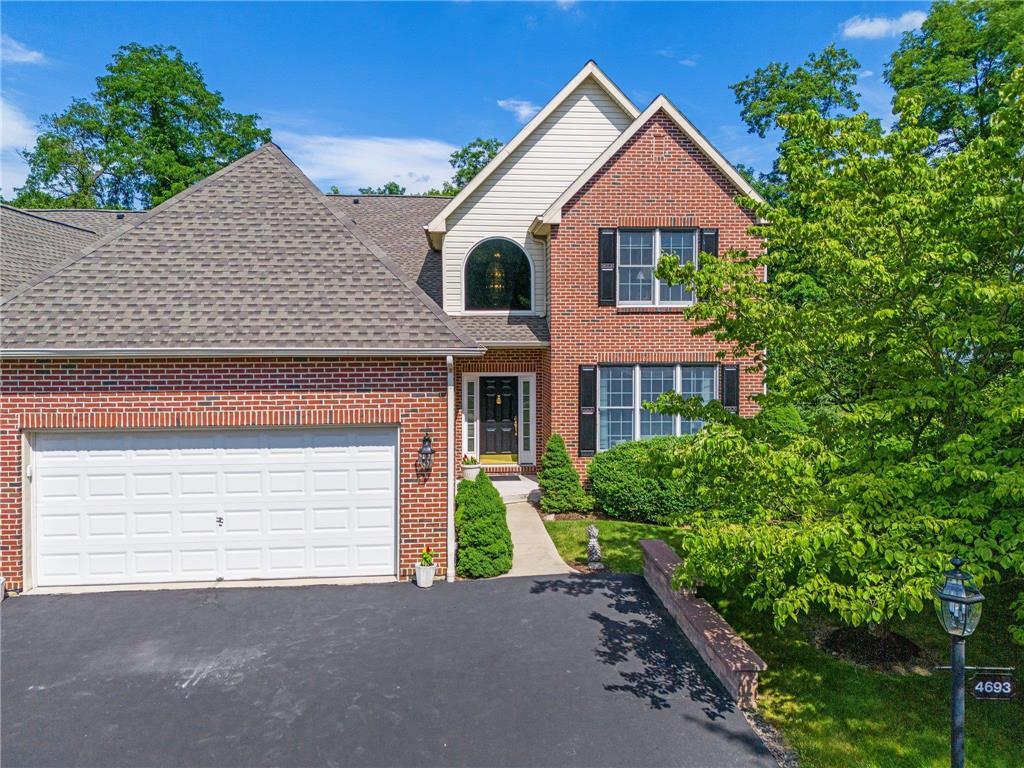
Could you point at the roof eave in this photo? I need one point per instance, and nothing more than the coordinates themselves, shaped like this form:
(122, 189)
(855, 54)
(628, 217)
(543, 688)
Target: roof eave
(234, 352)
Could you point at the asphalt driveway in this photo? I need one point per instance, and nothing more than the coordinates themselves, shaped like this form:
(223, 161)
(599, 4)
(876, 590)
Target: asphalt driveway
(533, 671)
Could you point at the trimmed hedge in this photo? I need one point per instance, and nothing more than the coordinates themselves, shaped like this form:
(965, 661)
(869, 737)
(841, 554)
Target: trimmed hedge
(560, 489)
(485, 544)
(623, 490)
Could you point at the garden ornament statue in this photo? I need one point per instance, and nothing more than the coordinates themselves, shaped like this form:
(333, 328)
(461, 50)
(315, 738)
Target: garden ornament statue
(593, 549)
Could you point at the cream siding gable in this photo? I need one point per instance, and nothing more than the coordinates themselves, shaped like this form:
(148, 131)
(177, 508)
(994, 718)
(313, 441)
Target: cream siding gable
(528, 181)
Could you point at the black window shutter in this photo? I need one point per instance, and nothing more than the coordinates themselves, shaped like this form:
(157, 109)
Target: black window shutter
(588, 410)
(731, 387)
(606, 267)
(709, 241)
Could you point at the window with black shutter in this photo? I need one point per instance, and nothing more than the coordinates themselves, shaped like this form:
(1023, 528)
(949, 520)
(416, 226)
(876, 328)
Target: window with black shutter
(731, 387)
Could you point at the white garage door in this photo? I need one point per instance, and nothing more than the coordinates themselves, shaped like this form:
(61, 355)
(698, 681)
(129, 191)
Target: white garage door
(119, 507)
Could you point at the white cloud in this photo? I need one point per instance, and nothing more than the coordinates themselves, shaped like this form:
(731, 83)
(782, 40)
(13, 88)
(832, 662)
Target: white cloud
(864, 73)
(523, 110)
(352, 162)
(13, 52)
(687, 60)
(16, 132)
(875, 27)
(565, 5)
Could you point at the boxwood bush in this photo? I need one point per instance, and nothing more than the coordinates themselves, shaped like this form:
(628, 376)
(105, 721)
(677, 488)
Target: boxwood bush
(485, 544)
(623, 488)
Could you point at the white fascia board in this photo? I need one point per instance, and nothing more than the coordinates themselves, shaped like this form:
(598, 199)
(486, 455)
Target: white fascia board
(591, 70)
(161, 352)
(553, 215)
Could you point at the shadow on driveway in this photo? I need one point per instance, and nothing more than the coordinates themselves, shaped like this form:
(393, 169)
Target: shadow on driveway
(566, 671)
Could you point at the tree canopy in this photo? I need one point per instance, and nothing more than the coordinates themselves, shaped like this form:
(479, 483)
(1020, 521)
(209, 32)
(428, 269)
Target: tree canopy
(891, 433)
(151, 129)
(390, 188)
(468, 161)
(956, 65)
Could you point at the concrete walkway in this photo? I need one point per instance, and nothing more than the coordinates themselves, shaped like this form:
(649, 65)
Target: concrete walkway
(533, 552)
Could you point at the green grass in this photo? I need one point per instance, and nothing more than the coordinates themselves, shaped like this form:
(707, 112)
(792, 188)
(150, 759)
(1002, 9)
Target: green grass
(835, 714)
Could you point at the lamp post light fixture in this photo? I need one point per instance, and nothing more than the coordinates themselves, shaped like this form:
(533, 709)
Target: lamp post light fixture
(425, 457)
(959, 610)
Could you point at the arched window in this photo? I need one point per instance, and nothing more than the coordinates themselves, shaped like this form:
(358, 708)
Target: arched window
(498, 276)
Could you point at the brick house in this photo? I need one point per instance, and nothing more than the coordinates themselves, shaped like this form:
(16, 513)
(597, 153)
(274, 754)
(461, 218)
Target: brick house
(257, 380)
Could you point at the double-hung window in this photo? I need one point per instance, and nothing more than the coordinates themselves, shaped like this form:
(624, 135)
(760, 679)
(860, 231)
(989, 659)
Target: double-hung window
(624, 389)
(638, 254)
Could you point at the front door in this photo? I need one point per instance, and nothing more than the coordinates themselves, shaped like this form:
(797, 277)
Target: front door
(499, 423)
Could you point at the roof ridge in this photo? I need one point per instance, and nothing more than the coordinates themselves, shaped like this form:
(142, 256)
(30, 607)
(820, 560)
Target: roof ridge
(136, 222)
(29, 212)
(378, 252)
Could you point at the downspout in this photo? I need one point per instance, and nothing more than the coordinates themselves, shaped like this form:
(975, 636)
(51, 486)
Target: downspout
(450, 454)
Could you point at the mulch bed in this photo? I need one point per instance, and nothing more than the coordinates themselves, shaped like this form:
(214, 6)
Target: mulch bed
(876, 648)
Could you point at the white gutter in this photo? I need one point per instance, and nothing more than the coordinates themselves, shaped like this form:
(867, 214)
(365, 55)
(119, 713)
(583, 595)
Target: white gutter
(118, 352)
(450, 453)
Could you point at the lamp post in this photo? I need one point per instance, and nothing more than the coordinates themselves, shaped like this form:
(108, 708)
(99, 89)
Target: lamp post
(959, 610)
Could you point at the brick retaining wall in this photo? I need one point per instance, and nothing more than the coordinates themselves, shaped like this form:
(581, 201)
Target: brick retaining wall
(727, 654)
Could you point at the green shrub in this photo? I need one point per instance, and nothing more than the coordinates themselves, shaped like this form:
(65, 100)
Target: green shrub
(485, 544)
(623, 489)
(560, 489)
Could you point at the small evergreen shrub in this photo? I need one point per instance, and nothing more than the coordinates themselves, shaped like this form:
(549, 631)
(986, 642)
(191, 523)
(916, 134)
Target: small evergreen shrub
(560, 489)
(485, 544)
(622, 489)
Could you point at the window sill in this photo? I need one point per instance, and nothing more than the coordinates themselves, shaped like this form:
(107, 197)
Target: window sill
(630, 310)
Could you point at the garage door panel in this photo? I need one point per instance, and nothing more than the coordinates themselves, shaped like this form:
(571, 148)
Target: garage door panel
(175, 506)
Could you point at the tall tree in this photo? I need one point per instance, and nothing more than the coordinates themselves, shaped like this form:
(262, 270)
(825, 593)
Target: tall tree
(824, 84)
(892, 430)
(391, 188)
(151, 129)
(956, 65)
(468, 161)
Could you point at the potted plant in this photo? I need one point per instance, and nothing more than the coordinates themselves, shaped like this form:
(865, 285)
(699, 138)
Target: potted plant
(470, 467)
(425, 568)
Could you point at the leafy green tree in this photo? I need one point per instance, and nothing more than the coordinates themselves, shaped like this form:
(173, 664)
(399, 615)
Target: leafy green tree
(391, 188)
(151, 129)
(892, 430)
(824, 84)
(468, 161)
(956, 64)
(560, 488)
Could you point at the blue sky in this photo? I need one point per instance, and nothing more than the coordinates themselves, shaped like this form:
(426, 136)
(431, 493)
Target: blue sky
(361, 94)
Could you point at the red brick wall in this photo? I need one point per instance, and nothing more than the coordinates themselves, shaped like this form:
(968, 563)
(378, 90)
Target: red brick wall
(659, 178)
(506, 361)
(125, 394)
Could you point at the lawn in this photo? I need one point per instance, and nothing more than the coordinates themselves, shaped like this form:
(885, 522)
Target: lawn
(835, 714)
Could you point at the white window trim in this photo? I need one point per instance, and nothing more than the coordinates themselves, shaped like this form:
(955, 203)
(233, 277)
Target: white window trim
(532, 311)
(525, 457)
(638, 405)
(656, 294)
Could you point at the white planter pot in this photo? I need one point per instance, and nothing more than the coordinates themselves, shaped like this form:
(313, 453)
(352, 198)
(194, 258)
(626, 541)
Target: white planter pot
(470, 471)
(425, 575)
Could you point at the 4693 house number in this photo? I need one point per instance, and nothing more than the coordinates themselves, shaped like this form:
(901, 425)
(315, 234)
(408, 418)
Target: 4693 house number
(993, 686)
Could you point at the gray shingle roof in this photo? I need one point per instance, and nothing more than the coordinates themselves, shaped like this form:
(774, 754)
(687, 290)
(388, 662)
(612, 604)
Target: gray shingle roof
(100, 221)
(396, 224)
(30, 245)
(249, 259)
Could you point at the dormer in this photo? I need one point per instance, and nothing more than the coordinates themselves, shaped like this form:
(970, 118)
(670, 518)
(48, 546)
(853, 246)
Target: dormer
(492, 263)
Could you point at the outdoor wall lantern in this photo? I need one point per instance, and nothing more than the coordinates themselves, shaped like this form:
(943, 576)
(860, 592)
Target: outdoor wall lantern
(425, 460)
(959, 610)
